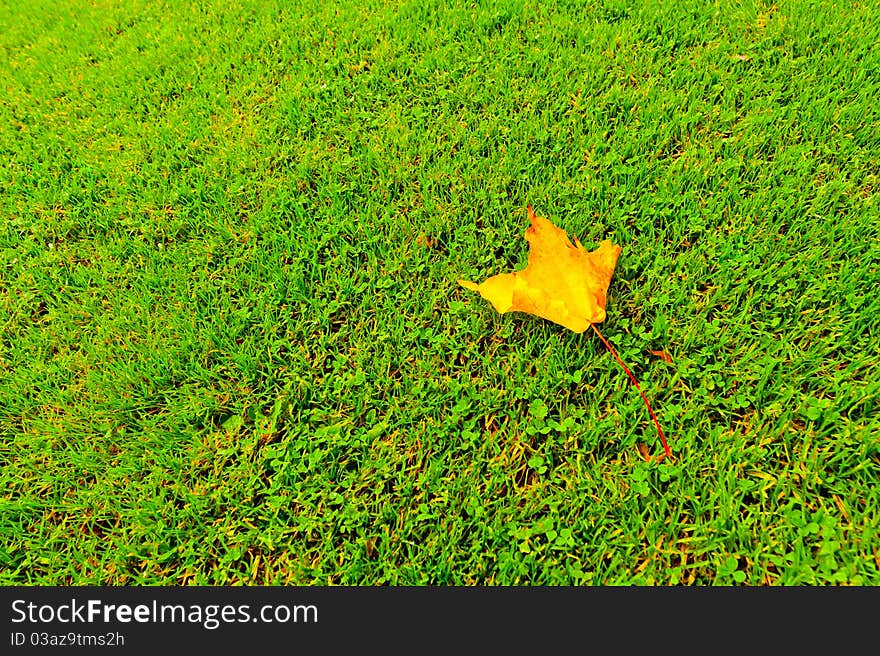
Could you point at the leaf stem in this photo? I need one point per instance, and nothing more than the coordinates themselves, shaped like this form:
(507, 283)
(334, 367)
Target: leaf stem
(636, 383)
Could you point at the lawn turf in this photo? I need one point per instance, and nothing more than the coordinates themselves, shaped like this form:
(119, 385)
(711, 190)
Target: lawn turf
(234, 351)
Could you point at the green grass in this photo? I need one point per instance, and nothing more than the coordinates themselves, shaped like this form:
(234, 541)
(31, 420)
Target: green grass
(233, 347)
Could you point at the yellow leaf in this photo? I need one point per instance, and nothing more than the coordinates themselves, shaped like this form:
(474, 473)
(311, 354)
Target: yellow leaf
(563, 282)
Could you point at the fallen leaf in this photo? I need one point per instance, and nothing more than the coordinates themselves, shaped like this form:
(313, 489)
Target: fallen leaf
(663, 355)
(563, 282)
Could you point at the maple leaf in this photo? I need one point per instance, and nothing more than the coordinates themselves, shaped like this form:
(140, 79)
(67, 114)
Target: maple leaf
(563, 282)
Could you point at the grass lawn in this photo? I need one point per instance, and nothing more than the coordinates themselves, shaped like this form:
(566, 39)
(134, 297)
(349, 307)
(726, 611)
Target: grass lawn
(233, 346)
